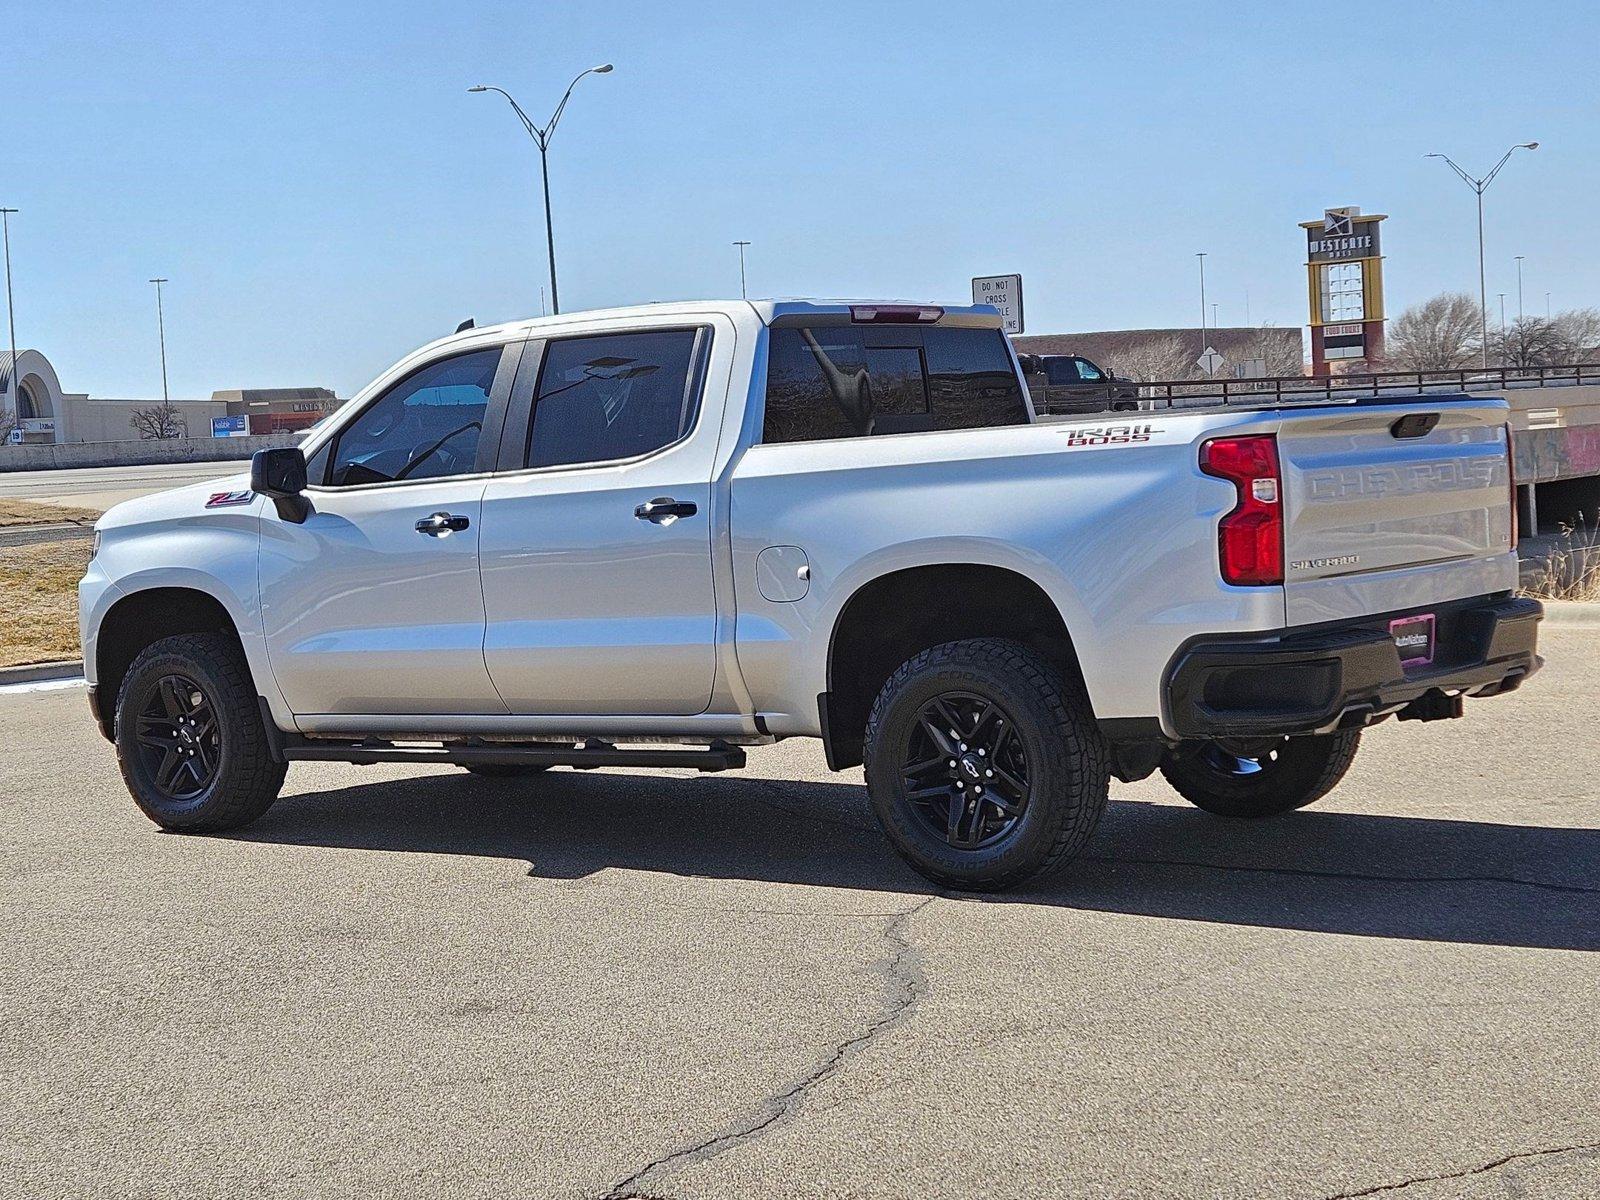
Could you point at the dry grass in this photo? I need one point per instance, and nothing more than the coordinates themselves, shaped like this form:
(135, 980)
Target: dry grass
(39, 600)
(28, 512)
(1572, 570)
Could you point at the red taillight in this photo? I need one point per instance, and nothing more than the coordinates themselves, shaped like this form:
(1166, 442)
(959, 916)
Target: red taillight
(1511, 470)
(1250, 538)
(895, 314)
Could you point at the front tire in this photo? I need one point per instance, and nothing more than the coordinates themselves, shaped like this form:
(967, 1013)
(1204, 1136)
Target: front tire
(190, 739)
(982, 766)
(1260, 777)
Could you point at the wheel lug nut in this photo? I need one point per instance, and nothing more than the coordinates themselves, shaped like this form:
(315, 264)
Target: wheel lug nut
(988, 774)
(952, 763)
(959, 785)
(963, 747)
(982, 752)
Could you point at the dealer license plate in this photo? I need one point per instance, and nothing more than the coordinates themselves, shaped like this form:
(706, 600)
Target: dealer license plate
(1414, 639)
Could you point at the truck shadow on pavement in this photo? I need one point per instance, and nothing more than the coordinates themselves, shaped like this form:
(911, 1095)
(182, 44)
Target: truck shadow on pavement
(1331, 872)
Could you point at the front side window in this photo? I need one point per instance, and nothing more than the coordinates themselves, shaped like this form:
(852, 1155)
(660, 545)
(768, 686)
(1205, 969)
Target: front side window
(424, 427)
(614, 396)
(1087, 371)
(836, 381)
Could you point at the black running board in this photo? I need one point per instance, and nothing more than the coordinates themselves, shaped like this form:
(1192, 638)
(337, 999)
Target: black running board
(718, 757)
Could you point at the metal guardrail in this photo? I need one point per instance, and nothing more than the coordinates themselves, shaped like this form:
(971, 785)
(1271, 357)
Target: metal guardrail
(1324, 388)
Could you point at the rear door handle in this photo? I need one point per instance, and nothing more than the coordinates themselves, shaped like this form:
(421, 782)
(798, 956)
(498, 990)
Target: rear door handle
(664, 509)
(442, 524)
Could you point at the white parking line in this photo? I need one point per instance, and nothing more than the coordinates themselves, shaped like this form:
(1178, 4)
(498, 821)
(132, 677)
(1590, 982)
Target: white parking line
(42, 685)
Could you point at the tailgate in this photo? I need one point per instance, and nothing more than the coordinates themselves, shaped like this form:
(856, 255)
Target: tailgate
(1389, 507)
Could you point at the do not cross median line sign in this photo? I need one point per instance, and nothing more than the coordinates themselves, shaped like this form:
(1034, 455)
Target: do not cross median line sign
(1005, 293)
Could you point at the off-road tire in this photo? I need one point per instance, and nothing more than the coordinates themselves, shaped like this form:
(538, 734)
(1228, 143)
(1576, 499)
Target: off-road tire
(1068, 767)
(1297, 772)
(246, 779)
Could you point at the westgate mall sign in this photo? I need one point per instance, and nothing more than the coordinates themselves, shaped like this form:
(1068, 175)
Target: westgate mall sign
(1344, 235)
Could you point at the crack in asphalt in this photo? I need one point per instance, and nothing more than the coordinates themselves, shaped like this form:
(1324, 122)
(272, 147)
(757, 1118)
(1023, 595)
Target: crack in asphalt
(1311, 873)
(904, 986)
(1467, 1172)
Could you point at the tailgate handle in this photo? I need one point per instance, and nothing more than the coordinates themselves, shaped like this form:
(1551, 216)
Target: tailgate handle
(1414, 425)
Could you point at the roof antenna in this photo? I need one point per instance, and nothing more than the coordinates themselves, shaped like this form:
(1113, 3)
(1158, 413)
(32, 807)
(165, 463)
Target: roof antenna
(465, 325)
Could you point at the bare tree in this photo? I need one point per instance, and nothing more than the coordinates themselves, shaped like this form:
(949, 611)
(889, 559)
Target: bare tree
(1566, 339)
(1163, 358)
(1580, 334)
(158, 422)
(1441, 334)
(8, 422)
(1277, 350)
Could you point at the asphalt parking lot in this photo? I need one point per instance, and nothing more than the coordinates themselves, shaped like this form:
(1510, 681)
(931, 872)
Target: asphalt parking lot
(416, 982)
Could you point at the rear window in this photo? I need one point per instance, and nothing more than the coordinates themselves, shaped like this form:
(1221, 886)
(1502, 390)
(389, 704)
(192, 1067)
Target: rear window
(839, 381)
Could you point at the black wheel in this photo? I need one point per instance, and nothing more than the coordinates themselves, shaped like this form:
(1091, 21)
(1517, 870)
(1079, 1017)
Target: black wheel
(190, 741)
(1260, 777)
(983, 768)
(505, 770)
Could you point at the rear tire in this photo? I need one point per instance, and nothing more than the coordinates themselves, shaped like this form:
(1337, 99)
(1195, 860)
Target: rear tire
(983, 767)
(190, 739)
(1260, 777)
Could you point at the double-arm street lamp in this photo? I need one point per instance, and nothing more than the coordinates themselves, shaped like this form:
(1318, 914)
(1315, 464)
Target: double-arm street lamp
(1480, 186)
(541, 135)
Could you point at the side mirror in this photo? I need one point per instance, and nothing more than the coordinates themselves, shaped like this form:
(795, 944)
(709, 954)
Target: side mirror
(280, 475)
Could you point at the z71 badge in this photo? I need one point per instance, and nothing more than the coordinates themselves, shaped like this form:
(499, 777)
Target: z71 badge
(229, 499)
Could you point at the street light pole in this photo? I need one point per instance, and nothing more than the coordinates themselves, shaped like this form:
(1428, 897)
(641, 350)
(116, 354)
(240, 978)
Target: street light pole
(1480, 186)
(1520, 315)
(11, 319)
(541, 134)
(743, 294)
(1201, 255)
(161, 328)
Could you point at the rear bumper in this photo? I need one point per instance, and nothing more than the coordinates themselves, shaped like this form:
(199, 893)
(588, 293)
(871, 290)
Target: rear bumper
(1349, 674)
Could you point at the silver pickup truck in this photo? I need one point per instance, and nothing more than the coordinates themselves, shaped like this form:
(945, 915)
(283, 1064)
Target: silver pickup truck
(656, 536)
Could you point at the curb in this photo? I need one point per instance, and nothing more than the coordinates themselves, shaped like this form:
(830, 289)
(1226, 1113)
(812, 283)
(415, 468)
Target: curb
(1570, 612)
(40, 672)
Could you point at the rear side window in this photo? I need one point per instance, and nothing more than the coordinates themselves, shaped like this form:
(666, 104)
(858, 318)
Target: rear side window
(836, 381)
(614, 396)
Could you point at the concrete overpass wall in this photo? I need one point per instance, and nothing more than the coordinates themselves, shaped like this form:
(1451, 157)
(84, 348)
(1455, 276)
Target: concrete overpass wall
(138, 453)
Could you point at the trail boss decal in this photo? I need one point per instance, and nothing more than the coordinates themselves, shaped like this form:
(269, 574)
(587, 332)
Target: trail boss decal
(1109, 435)
(229, 499)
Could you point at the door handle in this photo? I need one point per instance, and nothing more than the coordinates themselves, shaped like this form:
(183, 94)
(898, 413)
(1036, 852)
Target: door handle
(663, 509)
(442, 524)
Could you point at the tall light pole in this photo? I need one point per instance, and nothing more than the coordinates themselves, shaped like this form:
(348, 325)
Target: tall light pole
(1547, 306)
(541, 135)
(11, 318)
(1480, 186)
(1201, 255)
(743, 294)
(1520, 315)
(161, 329)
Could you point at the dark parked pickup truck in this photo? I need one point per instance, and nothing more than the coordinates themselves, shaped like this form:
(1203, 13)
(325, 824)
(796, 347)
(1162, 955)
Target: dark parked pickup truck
(1070, 383)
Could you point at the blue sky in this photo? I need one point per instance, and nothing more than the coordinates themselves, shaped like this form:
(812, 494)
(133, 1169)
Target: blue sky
(325, 195)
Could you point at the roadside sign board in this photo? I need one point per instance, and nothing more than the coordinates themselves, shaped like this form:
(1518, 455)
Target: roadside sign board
(230, 426)
(1209, 361)
(1005, 293)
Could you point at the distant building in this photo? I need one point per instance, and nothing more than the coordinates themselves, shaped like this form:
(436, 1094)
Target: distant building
(1246, 351)
(31, 389)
